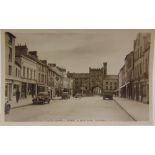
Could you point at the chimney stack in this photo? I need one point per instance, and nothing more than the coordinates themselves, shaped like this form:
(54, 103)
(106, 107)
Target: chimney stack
(21, 50)
(52, 64)
(34, 54)
(44, 61)
(105, 68)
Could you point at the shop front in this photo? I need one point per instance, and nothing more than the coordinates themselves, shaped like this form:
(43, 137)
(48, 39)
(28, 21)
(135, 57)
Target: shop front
(41, 88)
(24, 90)
(8, 89)
(31, 89)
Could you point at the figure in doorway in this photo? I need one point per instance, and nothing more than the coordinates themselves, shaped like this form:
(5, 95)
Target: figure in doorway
(33, 93)
(17, 95)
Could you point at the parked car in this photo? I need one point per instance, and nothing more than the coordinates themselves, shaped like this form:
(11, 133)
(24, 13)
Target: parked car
(41, 98)
(77, 95)
(108, 95)
(7, 107)
(65, 95)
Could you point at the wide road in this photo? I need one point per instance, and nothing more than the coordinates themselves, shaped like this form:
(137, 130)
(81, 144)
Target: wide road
(85, 108)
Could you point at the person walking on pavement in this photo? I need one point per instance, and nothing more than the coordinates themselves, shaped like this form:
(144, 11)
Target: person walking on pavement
(17, 95)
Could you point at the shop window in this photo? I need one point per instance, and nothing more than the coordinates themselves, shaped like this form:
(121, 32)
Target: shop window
(15, 87)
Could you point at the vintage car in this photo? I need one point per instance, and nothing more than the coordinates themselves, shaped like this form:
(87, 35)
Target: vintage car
(78, 95)
(107, 94)
(65, 95)
(41, 98)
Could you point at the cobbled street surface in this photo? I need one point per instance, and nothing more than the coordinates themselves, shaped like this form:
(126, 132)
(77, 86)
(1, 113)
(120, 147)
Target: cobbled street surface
(84, 108)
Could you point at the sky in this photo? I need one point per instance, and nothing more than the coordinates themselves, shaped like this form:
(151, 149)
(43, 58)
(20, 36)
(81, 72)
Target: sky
(77, 50)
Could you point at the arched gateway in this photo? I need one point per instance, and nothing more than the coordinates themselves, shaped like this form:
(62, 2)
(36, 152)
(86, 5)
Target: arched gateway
(96, 90)
(92, 83)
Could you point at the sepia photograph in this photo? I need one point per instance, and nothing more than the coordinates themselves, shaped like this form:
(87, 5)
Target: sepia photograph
(77, 75)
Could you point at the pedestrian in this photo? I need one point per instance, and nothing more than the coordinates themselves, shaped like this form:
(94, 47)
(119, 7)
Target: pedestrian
(33, 93)
(17, 95)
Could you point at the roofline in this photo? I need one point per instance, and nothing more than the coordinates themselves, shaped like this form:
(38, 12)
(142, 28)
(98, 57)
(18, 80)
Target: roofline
(11, 34)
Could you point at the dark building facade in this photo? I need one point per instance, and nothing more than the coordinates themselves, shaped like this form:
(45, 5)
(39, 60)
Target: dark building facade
(134, 75)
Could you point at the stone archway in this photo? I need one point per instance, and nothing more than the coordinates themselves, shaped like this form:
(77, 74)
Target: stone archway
(96, 90)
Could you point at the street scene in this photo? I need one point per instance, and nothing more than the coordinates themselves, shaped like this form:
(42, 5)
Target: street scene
(86, 108)
(70, 75)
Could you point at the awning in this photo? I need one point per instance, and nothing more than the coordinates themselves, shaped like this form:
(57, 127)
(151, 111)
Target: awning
(125, 84)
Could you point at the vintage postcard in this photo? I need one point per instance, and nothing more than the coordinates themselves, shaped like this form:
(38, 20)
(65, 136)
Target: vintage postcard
(77, 76)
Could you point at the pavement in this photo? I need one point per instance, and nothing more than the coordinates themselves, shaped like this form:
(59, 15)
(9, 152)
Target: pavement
(22, 102)
(25, 102)
(137, 110)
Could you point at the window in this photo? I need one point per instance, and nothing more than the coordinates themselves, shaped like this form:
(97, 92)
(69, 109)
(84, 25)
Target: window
(16, 72)
(27, 72)
(106, 83)
(34, 74)
(10, 54)
(110, 87)
(106, 87)
(6, 90)
(39, 77)
(140, 65)
(10, 40)
(110, 83)
(10, 70)
(23, 71)
(57, 78)
(45, 78)
(146, 66)
(42, 77)
(31, 73)
(140, 51)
